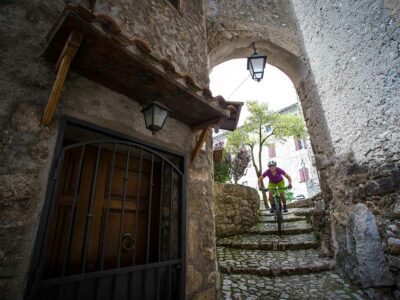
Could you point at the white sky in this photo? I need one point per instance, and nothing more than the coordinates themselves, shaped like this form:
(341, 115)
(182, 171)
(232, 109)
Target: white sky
(275, 88)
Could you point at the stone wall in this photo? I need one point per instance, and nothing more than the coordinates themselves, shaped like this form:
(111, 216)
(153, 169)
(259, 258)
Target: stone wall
(236, 208)
(353, 51)
(179, 37)
(27, 147)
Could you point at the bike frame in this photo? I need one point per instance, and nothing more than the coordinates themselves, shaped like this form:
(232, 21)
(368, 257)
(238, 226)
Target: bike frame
(278, 206)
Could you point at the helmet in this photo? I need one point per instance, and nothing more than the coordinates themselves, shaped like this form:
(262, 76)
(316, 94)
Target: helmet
(271, 163)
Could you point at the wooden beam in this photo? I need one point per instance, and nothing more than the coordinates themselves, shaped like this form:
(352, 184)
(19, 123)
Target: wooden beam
(208, 123)
(200, 142)
(62, 68)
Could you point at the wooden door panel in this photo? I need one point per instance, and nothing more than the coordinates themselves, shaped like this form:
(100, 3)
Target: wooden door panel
(113, 245)
(109, 210)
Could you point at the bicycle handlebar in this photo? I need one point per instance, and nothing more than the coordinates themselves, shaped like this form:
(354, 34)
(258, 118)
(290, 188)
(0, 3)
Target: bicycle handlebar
(276, 189)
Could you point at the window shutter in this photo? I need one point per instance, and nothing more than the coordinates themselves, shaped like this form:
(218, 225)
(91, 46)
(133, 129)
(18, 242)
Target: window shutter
(271, 151)
(301, 175)
(307, 176)
(296, 143)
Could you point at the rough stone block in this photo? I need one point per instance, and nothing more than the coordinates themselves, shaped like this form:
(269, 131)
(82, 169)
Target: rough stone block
(365, 257)
(393, 245)
(26, 118)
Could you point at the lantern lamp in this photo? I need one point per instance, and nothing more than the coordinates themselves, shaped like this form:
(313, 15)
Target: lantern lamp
(256, 65)
(155, 115)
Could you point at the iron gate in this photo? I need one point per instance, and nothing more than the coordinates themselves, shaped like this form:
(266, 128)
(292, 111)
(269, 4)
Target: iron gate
(114, 227)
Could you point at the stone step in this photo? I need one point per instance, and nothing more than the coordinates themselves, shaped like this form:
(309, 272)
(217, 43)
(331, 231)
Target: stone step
(295, 211)
(271, 263)
(288, 218)
(325, 285)
(296, 227)
(270, 242)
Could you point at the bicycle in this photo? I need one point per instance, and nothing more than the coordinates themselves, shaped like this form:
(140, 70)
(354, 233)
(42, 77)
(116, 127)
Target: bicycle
(278, 207)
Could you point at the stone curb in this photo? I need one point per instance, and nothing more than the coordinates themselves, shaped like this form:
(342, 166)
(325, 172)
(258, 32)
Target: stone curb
(273, 246)
(283, 232)
(273, 272)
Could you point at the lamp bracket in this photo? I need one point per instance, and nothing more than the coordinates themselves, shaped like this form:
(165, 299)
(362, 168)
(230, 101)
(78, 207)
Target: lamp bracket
(254, 47)
(62, 67)
(200, 142)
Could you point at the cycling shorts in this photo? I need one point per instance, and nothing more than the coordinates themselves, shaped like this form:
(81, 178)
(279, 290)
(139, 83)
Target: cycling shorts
(273, 186)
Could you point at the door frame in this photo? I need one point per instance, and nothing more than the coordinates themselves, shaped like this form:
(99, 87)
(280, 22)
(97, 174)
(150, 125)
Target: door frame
(32, 275)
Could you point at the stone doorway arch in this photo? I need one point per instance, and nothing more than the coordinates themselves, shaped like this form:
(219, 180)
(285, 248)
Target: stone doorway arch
(297, 69)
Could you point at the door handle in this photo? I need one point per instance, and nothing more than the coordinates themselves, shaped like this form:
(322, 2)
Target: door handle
(128, 242)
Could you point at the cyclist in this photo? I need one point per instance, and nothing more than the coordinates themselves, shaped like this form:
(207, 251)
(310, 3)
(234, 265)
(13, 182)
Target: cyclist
(275, 176)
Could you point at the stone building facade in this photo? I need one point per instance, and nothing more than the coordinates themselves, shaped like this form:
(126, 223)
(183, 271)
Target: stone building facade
(342, 56)
(170, 37)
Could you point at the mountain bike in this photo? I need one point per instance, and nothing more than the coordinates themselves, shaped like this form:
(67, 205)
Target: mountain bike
(278, 207)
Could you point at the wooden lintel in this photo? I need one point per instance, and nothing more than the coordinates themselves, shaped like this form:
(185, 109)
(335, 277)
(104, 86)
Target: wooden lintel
(200, 142)
(205, 124)
(62, 68)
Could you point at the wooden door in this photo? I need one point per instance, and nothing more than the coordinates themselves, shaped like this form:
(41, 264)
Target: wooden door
(102, 218)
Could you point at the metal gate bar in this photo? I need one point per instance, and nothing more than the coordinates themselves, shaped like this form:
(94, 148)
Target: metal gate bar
(89, 216)
(149, 209)
(138, 205)
(73, 211)
(159, 229)
(105, 223)
(94, 275)
(170, 232)
(121, 223)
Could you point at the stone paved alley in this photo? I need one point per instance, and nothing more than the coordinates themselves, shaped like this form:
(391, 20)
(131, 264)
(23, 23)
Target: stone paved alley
(261, 265)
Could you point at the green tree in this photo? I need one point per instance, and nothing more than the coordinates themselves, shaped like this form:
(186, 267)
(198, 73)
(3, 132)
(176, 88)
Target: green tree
(255, 132)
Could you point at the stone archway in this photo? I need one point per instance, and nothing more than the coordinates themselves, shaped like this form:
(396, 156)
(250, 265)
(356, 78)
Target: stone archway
(316, 46)
(296, 67)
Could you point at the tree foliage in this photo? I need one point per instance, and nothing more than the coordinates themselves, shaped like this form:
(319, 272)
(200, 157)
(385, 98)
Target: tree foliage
(239, 164)
(230, 166)
(261, 126)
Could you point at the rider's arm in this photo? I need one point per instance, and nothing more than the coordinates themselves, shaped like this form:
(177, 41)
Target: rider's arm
(288, 178)
(260, 179)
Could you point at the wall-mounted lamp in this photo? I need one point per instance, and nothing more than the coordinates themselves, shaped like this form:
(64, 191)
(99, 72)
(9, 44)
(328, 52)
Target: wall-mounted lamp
(256, 65)
(155, 115)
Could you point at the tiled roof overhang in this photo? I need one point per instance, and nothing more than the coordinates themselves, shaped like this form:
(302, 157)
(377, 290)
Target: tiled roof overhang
(128, 66)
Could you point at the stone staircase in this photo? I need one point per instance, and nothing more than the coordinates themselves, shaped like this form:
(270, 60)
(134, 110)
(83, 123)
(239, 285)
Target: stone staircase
(260, 264)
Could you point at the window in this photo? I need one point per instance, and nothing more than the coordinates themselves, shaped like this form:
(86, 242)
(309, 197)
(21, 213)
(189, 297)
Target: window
(176, 4)
(271, 151)
(299, 143)
(304, 175)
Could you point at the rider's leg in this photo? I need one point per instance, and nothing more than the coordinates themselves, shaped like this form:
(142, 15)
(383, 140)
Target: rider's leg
(271, 199)
(271, 202)
(283, 198)
(281, 185)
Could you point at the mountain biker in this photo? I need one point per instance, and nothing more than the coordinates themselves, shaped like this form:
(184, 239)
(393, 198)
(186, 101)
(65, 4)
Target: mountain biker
(275, 177)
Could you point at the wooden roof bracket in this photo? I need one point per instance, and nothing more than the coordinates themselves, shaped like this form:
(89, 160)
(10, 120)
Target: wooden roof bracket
(62, 67)
(200, 142)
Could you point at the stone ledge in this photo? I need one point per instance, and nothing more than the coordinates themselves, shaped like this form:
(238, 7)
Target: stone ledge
(297, 227)
(275, 263)
(289, 218)
(270, 242)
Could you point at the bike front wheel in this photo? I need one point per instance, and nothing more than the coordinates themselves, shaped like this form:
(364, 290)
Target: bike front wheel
(279, 218)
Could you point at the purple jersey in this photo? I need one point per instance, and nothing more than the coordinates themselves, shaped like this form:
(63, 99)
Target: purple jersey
(274, 178)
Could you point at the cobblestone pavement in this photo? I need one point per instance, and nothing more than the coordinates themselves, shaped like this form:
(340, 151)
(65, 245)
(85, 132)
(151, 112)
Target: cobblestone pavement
(318, 286)
(263, 265)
